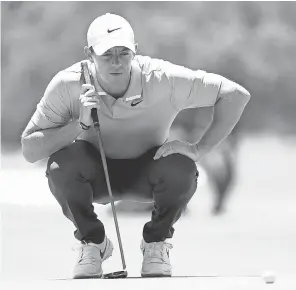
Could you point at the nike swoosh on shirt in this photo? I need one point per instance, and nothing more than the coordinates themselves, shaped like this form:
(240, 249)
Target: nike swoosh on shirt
(136, 103)
(111, 30)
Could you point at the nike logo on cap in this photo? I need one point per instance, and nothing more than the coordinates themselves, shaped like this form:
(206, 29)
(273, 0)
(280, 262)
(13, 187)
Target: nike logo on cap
(111, 30)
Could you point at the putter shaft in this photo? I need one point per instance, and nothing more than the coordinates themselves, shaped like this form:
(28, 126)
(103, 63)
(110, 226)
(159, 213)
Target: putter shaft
(104, 162)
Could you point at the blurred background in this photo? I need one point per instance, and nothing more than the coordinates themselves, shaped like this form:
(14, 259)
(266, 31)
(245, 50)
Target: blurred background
(252, 43)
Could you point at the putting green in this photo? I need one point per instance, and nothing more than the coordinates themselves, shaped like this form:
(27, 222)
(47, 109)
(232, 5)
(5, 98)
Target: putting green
(209, 282)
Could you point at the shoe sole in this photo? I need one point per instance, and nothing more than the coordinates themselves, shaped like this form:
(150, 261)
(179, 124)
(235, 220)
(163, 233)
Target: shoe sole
(89, 277)
(155, 275)
(163, 274)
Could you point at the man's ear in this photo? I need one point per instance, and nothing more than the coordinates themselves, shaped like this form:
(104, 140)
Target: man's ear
(88, 54)
(136, 47)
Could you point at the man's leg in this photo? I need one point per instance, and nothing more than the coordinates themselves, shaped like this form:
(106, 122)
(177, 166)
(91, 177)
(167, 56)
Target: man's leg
(174, 181)
(75, 176)
(169, 181)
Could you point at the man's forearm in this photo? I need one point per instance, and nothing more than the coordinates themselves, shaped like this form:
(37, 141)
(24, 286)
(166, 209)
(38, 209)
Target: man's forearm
(227, 113)
(41, 144)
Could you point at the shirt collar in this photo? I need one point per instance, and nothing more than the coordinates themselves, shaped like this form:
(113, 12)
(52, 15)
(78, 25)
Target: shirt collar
(134, 90)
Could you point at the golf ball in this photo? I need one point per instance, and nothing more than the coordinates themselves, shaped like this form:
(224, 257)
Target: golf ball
(268, 276)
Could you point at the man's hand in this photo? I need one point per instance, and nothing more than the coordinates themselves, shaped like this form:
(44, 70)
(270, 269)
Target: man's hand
(172, 147)
(89, 99)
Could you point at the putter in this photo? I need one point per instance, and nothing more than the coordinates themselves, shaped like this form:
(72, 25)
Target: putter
(94, 115)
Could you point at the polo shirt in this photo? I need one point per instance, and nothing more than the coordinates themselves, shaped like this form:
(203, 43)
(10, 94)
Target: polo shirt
(141, 119)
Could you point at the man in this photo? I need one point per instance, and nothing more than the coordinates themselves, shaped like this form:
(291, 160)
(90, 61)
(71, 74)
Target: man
(137, 100)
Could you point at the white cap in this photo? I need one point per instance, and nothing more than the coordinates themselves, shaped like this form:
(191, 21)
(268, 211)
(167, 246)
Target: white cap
(110, 30)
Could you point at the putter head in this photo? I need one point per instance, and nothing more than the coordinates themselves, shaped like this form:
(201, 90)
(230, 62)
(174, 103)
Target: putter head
(116, 275)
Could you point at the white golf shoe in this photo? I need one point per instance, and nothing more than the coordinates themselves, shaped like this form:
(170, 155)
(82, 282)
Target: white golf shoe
(156, 261)
(90, 258)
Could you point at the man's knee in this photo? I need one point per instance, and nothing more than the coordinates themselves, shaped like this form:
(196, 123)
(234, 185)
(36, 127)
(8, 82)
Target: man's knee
(175, 177)
(176, 168)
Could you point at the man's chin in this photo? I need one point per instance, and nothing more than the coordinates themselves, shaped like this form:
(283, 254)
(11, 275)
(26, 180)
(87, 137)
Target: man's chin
(118, 79)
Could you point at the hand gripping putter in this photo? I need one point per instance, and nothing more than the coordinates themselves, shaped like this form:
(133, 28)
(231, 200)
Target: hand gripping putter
(94, 115)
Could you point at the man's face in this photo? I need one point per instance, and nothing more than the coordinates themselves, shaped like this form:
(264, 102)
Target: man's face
(114, 66)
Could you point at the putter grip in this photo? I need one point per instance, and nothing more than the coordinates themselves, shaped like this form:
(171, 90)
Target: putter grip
(94, 116)
(86, 75)
(85, 72)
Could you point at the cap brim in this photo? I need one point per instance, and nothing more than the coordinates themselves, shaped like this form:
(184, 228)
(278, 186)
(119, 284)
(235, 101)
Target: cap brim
(99, 49)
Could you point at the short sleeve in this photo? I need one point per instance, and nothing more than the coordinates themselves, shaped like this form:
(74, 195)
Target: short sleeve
(193, 89)
(53, 110)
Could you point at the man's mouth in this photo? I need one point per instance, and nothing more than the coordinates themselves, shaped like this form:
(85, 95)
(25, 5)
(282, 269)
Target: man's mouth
(116, 73)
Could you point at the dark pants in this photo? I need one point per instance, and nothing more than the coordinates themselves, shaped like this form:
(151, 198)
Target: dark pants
(76, 179)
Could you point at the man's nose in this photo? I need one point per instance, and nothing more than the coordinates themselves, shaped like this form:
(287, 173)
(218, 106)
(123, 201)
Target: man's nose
(115, 60)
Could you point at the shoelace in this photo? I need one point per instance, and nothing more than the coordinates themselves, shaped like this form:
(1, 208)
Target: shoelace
(155, 248)
(84, 255)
